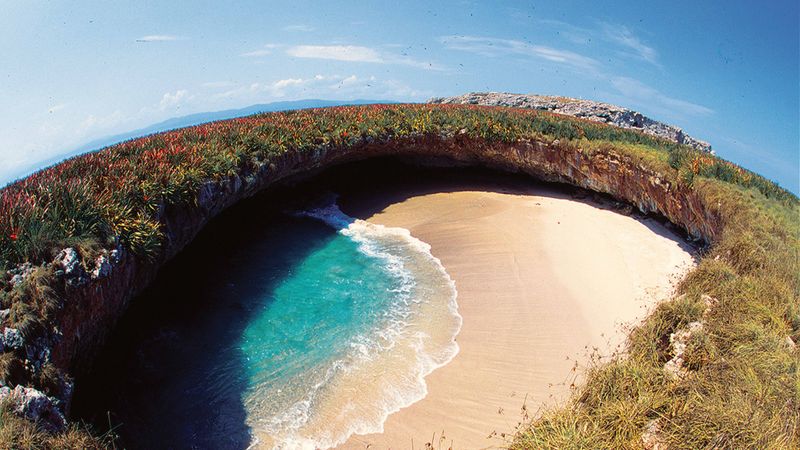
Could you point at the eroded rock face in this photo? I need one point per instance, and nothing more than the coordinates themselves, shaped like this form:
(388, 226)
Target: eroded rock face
(586, 109)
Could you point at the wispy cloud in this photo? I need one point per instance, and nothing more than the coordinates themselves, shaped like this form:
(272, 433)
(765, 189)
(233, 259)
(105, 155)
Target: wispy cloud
(283, 84)
(56, 108)
(351, 53)
(94, 122)
(492, 47)
(174, 100)
(356, 53)
(609, 36)
(257, 53)
(639, 93)
(322, 86)
(160, 38)
(288, 86)
(265, 50)
(567, 31)
(631, 44)
(300, 28)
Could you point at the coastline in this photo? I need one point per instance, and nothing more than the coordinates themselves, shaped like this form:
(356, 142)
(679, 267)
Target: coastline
(543, 281)
(417, 338)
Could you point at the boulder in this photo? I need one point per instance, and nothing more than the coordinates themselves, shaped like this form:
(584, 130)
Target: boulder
(70, 262)
(34, 405)
(11, 338)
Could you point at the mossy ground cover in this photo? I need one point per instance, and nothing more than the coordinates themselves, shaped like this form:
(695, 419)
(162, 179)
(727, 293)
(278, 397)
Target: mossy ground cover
(742, 389)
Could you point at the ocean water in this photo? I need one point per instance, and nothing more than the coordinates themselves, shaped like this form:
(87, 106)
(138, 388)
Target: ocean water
(308, 329)
(379, 314)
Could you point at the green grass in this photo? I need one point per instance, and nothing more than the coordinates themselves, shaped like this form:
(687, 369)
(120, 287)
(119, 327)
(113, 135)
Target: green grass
(742, 390)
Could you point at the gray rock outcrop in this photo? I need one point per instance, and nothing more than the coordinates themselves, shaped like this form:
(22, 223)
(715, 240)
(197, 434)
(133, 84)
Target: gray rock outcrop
(34, 405)
(70, 261)
(586, 109)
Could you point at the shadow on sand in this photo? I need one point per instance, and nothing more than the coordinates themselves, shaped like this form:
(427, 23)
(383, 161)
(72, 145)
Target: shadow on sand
(172, 375)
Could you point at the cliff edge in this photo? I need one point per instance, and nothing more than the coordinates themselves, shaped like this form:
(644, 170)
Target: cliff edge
(585, 109)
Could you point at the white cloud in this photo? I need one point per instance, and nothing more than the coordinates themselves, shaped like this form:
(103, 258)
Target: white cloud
(352, 53)
(356, 53)
(281, 84)
(170, 100)
(276, 88)
(265, 50)
(94, 123)
(352, 79)
(622, 39)
(642, 94)
(257, 53)
(159, 38)
(572, 33)
(623, 36)
(56, 108)
(492, 47)
(323, 86)
(302, 28)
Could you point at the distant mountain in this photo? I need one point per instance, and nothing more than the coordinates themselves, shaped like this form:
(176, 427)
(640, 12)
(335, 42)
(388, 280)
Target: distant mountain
(181, 122)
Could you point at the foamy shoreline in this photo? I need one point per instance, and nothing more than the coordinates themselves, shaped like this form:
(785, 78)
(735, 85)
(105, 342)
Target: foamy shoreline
(419, 339)
(542, 280)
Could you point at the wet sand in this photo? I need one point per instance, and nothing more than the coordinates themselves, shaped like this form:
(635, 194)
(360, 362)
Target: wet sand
(542, 281)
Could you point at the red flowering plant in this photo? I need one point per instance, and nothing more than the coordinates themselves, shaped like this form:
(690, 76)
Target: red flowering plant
(121, 190)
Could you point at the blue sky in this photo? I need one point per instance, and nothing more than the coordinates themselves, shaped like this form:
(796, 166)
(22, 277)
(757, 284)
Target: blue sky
(726, 72)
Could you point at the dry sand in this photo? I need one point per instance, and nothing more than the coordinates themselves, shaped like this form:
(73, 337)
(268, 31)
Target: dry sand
(542, 279)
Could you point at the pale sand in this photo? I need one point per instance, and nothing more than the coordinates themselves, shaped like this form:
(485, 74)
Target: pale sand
(542, 279)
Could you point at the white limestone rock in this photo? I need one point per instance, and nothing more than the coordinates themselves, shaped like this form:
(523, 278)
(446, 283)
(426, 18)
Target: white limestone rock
(586, 109)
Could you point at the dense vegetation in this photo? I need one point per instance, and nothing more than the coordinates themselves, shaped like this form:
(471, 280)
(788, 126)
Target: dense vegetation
(742, 389)
(119, 191)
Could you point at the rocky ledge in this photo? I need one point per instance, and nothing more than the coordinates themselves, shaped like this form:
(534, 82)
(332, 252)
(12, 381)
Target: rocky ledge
(585, 109)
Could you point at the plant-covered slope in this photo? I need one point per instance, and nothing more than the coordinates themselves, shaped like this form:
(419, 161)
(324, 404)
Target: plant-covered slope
(119, 199)
(118, 191)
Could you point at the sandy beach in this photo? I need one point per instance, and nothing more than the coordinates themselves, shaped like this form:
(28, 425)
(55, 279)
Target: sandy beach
(543, 279)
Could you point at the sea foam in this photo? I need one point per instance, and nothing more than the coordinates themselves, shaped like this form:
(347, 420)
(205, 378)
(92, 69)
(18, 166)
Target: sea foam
(385, 368)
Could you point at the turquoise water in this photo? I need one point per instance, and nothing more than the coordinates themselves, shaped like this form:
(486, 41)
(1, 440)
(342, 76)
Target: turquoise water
(331, 298)
(287, 332)
(371, 312)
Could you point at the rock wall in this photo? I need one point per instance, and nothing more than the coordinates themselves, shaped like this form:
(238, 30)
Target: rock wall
(96, 299)
(586, 109)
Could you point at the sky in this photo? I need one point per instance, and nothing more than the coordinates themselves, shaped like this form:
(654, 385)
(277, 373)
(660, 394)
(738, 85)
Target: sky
(726, 72)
